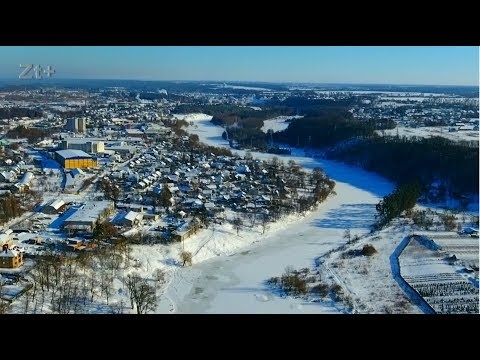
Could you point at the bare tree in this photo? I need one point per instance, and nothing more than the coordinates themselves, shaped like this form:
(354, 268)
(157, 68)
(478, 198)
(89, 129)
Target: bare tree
(92, 282)
(347, 235)
(186, 257)
(132, 282)
(237, 224)
(118, 307)
(142, 295)
(159, 277)
(106, 280)
(3, 304)
(251, 219)
(473, 219)
(264, 223)
(145, 298)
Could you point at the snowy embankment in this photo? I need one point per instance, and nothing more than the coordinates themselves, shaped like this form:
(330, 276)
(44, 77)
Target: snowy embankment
(229, 270)
(371, 282)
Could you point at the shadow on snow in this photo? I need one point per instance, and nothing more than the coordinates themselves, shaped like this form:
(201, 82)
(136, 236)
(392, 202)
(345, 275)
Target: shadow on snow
(347, 216)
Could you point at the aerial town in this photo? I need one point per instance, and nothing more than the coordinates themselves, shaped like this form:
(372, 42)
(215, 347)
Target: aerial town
(84, 170)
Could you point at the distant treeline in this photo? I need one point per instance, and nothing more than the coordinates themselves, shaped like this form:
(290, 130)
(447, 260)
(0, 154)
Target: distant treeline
(9, 113)
(403, 160)
(329, 127)
(242, 123)
(69, 113)
(31, 134)
(227, 115)
(310, 106)
(326, 122)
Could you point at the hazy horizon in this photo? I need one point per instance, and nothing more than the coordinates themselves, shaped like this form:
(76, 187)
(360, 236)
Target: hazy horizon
(46, 80)
(347, 65)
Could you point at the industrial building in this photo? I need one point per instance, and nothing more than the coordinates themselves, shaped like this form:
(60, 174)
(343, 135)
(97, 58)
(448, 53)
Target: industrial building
(84, 218)
(87, 145)
(71, 159)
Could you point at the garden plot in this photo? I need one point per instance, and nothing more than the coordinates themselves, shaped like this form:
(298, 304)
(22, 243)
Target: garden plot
(466, 249)
(437, 279)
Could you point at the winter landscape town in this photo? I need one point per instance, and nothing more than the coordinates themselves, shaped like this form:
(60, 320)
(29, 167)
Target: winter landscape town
(159, 197)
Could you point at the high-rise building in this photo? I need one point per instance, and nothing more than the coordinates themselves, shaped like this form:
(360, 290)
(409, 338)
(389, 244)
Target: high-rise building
(71, 124)
(76, 125)
(82, 125)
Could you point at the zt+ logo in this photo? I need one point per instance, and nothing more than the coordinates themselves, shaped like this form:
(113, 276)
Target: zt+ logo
(37, 70)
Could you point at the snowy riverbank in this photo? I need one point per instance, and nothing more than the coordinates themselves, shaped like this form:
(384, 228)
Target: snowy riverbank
(229, 270)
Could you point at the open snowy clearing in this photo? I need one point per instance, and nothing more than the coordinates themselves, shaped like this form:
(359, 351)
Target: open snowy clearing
(279, 123)
(430, 131)
(368, 280)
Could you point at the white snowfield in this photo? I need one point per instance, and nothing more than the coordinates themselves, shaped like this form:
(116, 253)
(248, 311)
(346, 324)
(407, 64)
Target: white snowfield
(279, 123)
(229, 270)
(193, 117)
(429, 131)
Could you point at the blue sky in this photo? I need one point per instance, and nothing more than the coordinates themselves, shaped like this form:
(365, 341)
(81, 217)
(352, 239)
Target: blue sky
(435, 65)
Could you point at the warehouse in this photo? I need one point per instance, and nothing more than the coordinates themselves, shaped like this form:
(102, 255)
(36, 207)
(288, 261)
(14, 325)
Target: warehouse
(71, 159)
(84, 218)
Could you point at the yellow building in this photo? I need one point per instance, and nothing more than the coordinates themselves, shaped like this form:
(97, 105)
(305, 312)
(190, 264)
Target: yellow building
(10, 259)
(71, 159)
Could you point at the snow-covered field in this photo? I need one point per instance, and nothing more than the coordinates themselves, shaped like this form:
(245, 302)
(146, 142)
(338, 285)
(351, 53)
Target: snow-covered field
(368, 280)
(279, 123)
(193, 117)
(402, 94)
(429, 131)
(439, 277)
(241, 87)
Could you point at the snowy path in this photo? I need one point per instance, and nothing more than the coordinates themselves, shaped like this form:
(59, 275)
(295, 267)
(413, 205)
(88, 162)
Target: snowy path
(409, 291)
(235, 283)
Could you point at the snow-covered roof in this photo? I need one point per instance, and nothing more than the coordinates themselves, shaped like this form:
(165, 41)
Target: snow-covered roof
(26, 178)
(76, 172)
(72, 153)
(57, 204)
(9, 253)
(89, 212)
(131, 215)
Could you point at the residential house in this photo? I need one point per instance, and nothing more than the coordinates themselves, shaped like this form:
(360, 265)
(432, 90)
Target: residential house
(10, 259)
